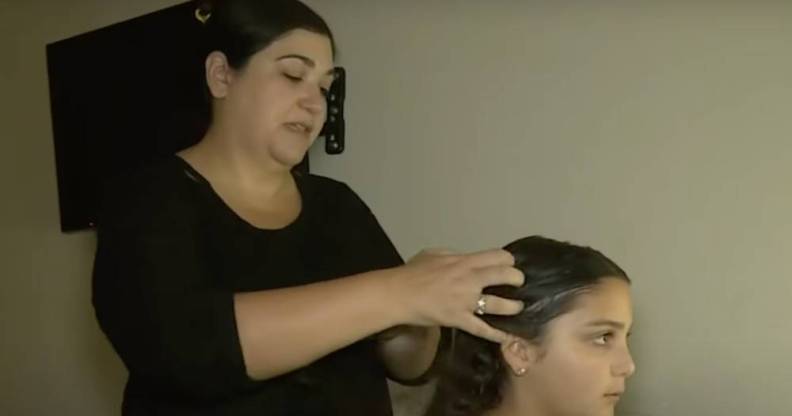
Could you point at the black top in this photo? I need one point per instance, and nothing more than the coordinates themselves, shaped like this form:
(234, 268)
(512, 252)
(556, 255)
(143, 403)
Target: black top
(170, 256)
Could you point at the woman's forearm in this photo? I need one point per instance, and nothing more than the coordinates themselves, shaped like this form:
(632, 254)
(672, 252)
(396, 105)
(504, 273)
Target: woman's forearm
(286, 329)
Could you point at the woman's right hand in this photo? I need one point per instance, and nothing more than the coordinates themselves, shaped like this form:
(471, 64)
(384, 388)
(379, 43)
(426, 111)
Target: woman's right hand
(440, 288)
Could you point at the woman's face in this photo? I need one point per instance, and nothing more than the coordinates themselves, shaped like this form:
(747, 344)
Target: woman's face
(584, 361)
(275, 105)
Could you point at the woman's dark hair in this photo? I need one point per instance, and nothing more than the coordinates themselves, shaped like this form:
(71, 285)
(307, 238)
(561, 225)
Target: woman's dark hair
(240, 28)
(471, 370)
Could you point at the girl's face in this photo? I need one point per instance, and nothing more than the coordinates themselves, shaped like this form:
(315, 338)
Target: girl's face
(581, 366)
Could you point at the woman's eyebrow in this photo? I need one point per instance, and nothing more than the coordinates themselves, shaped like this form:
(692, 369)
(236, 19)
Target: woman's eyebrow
(306, 60)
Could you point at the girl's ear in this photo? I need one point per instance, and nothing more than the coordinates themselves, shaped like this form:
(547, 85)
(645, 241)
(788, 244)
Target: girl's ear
(520, 355)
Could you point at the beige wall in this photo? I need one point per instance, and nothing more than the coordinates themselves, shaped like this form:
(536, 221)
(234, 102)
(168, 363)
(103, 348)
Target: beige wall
(657, 133)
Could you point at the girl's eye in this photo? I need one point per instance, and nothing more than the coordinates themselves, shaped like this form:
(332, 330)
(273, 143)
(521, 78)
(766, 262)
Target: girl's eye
(603, 339)
(292, 77)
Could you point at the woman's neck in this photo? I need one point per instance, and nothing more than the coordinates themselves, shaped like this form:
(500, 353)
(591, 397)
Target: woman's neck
(231, 167)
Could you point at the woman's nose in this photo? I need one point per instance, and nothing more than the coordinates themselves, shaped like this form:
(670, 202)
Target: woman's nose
(313, 100)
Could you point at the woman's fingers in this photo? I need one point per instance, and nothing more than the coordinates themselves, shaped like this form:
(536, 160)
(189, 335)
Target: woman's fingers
(488, 258)
(494, 305)
(446, 289)
(445, 256)
(500, 275)
(475, 326)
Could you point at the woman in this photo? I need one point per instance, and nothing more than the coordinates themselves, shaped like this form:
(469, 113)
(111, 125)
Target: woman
(229, 285)
(568, 355)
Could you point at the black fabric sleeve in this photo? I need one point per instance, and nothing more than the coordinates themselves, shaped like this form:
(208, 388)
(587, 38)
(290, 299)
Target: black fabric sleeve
(155, 299)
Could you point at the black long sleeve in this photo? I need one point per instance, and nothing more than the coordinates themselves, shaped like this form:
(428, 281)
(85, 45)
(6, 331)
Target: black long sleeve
(157, 301)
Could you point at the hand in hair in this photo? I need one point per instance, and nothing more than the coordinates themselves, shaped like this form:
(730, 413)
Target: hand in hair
(440, 288)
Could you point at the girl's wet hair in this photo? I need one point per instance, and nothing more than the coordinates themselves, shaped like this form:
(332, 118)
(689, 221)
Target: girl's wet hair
(471, 370)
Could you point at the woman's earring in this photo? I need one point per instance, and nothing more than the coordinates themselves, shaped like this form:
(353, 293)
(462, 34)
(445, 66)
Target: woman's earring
(520, 371)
